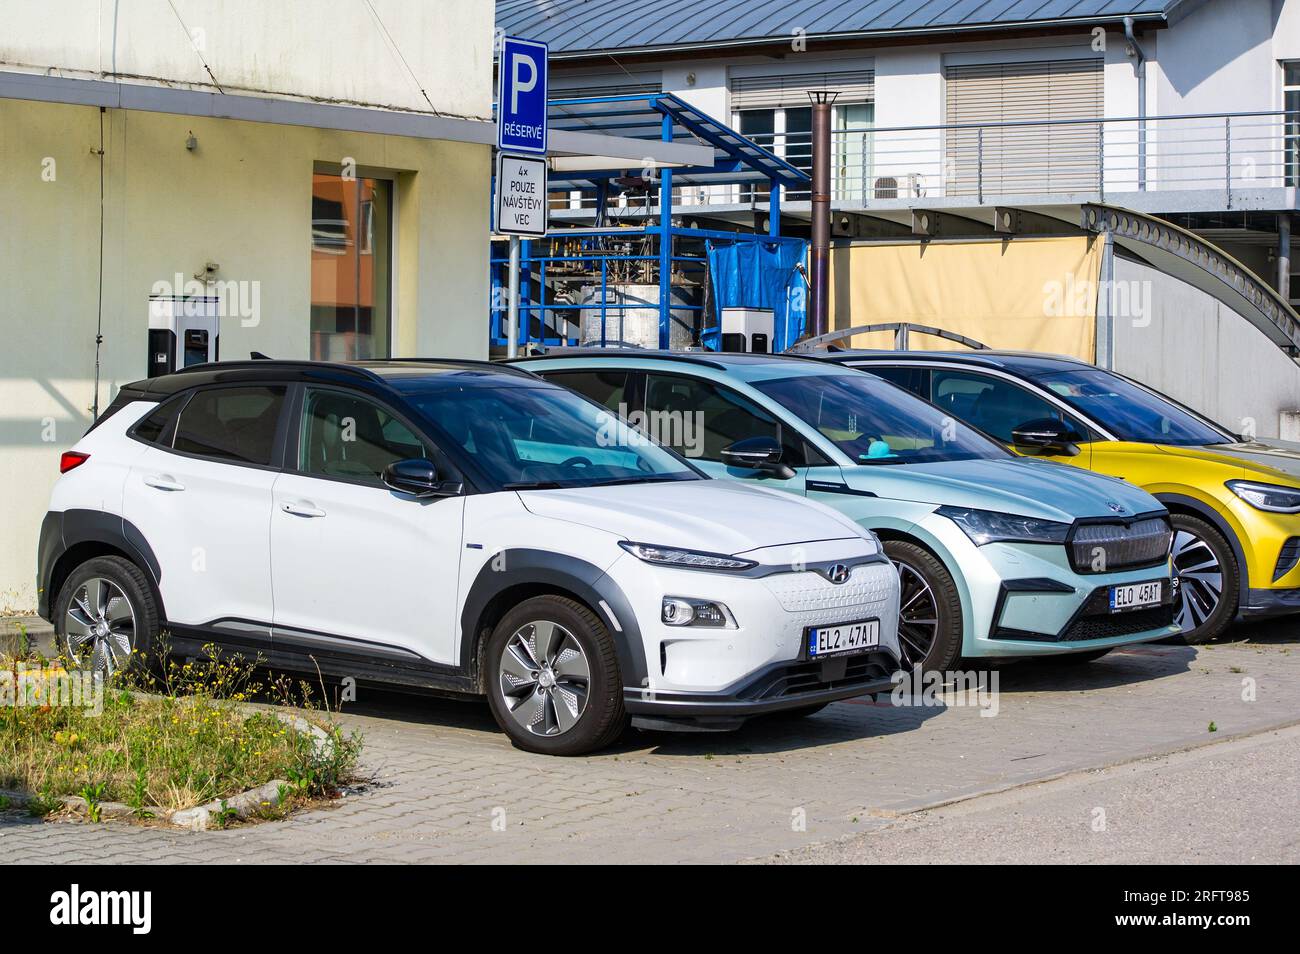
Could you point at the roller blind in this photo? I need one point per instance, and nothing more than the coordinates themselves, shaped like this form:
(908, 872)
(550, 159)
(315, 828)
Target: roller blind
(791, 89)
(1024, 159)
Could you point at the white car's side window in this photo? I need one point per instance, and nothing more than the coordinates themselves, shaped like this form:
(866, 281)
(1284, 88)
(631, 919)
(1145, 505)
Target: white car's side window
(350, 437)
(235, 424)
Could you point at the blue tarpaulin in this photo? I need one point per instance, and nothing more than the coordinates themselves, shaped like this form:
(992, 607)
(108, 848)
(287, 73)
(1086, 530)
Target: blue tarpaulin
(759, 273)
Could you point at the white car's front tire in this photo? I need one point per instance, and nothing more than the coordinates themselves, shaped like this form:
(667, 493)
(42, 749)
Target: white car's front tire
(553, 680)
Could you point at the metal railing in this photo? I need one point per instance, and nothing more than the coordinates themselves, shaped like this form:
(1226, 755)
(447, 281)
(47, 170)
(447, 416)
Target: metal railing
(1222, 153)
(1218, 152)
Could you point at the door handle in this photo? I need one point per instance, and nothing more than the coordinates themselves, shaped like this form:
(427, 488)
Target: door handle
(302, 508)
(163, 482)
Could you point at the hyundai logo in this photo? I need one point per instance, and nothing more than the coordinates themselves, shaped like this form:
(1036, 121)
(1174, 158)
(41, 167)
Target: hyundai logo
(1115, 507)
(837, 574)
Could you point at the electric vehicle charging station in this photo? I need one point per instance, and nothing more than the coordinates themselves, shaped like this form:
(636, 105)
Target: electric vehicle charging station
(183, 331)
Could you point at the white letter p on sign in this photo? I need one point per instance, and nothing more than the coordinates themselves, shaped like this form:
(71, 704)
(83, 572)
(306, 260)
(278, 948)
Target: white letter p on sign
(517, 85)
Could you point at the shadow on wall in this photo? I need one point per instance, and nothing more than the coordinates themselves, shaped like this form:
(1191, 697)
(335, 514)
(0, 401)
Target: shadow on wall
(61, 426)
(41, 418)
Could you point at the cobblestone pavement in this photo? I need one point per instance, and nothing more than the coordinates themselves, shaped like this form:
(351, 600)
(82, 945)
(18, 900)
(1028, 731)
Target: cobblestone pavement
(448, 787)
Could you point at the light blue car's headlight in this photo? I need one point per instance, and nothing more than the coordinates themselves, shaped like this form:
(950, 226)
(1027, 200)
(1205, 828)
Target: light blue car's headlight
(989, 526)
(686, 559)
(1268, 497)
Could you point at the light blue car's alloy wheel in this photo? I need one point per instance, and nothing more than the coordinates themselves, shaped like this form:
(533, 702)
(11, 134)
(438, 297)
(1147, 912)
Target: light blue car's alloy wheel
(545, 678)
(918, 615)
(1200, 579)
(99, 627)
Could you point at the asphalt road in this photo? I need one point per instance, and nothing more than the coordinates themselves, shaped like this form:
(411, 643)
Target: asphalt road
(1237, 802)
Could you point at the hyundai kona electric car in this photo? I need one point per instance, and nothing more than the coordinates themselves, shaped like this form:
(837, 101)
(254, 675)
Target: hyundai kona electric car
(999, 556)
(464, 528)
(1234, 501)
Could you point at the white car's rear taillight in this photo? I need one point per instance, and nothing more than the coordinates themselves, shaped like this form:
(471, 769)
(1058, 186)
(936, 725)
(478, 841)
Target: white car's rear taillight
(71, 459)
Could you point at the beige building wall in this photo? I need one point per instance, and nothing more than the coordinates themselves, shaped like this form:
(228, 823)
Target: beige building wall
(1028, 294)
(242, 199)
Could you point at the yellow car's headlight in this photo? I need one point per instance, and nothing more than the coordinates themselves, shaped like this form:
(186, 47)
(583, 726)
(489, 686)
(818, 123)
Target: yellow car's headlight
(1268, 497)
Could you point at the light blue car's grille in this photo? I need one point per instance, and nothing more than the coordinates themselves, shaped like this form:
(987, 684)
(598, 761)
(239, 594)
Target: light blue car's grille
(1106, 547)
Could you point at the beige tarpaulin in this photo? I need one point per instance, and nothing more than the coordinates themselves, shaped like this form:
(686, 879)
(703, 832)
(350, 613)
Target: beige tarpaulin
(1031, 294)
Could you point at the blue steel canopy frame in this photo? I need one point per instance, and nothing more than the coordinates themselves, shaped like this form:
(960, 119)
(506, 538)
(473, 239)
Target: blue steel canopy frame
(656, 116)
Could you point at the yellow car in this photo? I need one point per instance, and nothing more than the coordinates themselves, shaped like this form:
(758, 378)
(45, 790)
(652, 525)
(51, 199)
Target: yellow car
(1235, 502)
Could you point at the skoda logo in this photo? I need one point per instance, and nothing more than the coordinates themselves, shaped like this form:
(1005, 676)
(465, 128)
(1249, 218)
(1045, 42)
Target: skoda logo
(1114, 507)
(837, 574)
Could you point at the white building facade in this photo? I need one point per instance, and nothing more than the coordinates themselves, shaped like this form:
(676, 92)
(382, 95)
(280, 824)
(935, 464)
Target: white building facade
(309, 172)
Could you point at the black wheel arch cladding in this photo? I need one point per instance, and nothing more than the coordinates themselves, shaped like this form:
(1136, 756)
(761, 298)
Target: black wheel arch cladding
(508, 569)
(65, 530)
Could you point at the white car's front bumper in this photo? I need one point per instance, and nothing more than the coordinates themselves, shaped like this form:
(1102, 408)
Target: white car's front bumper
(721, 675)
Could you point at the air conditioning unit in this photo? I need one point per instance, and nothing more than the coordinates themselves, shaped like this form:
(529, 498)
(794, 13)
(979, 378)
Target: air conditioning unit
(887, 187)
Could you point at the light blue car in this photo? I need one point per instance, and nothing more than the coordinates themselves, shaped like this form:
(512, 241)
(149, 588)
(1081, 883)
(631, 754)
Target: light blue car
(998, 556)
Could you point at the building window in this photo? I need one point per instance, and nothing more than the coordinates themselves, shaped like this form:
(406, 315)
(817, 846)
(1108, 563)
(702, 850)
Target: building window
(775, 112)
(990, 151)
(1291, 103)
(351, 267)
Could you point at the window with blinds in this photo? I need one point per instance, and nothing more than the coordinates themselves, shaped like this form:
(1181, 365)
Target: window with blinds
(1057, 156)
(791, 89)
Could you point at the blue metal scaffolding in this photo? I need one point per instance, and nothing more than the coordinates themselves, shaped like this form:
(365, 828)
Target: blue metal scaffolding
(657, 249)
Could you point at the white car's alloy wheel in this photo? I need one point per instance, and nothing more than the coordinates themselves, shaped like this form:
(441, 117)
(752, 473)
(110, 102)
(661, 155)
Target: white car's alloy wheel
(545, 678)
(100, 627)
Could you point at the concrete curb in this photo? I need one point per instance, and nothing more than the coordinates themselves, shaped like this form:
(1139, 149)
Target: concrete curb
(15, 631)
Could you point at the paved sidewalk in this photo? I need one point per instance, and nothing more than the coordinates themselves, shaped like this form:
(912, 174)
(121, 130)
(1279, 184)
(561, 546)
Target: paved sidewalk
(1232, 803)
(448, 787)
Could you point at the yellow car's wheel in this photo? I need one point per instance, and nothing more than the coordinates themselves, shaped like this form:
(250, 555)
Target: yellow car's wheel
(1208, 579)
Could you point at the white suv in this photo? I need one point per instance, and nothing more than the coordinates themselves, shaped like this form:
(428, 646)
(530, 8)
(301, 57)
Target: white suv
(459, 527)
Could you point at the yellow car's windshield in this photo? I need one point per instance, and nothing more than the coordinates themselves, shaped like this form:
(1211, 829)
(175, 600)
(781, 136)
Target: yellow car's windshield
(1130, 412)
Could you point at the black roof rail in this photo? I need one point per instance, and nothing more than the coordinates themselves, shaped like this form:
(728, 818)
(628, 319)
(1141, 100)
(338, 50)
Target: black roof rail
(690, 357)
(457, 362)
(263, 364)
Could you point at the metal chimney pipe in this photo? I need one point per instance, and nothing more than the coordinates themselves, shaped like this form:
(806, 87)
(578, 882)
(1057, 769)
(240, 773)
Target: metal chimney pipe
(819, 303)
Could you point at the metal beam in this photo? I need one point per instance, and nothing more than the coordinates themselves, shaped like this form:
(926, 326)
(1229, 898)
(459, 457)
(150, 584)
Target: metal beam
(1187, 256)
(294, 112)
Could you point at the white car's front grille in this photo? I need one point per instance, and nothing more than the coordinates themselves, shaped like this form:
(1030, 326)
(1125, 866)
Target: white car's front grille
(813, 599)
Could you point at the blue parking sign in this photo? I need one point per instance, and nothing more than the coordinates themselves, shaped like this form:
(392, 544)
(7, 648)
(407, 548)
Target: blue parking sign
(521, 96)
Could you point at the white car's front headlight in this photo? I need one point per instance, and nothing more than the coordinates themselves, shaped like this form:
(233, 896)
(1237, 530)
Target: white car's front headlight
(1268, 497)
(686, 559)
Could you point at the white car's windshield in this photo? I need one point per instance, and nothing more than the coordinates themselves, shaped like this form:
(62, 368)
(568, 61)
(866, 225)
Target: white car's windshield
(530, 437)
(877, 423)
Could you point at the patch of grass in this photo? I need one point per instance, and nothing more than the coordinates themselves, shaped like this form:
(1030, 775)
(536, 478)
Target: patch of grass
(172, 738)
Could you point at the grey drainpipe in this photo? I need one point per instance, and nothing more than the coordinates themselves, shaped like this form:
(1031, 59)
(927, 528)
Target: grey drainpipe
(1140, 65)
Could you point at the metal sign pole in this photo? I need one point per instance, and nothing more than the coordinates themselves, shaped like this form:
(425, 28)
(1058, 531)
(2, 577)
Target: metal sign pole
(512, 310)
(521, 203)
